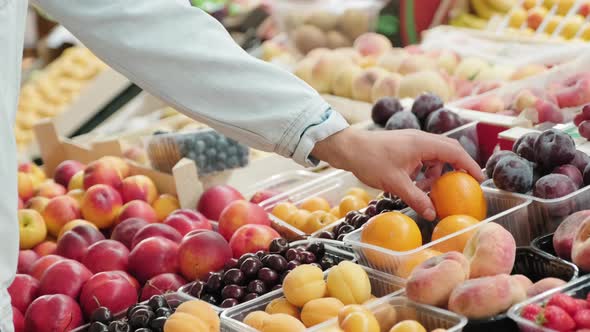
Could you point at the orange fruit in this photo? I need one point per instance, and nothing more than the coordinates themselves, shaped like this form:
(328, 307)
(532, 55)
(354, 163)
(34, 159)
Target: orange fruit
(392, 230)
(299, 219)
(316, 204)
(318, 220)
(450, 225)
(284, 210)
(408, 326)
(360, 193)
(458, 193)
(409, 262)
(351, 203)
(335, 211)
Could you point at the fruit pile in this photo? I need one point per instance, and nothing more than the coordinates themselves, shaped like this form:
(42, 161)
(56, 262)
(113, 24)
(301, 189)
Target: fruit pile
(562, 312)
(255, 274)
(570, 240)
(582, 121)
(427, 113)
(50, 91)
(545, 164)
(316, 213)
(356, 219)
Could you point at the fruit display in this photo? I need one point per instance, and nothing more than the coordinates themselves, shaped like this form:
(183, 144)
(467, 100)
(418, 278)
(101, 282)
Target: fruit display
(251, 275)
(545, 165)
(570, 240)
(51, 90)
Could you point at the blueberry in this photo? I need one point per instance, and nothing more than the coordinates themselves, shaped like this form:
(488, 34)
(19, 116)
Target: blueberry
(211, 152)
(233, 162)
(199, 146)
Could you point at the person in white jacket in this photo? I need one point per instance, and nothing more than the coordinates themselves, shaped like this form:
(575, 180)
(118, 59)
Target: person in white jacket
(185, 57)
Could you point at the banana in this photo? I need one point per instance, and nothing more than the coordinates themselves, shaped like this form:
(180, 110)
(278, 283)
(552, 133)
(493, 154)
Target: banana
(474, 22)
(503, 6)
(482, 9)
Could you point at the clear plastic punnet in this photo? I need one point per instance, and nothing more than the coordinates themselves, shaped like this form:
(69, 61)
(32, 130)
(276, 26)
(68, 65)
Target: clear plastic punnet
(282, 183)
(381, 285)
(506, 210)
(331, 187)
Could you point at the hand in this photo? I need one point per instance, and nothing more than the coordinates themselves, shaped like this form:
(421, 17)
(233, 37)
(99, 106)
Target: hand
(390, 160)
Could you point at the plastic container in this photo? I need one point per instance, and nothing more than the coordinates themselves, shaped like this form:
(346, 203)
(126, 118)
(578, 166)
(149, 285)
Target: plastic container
(545, 215)
(282, 183)
(381, 285)
(545, 244)
(331, 187)
(174, 299)
(345, 19)
(506, 210)
(333, 249)
(211, 151)
(534, 265)
(578, 288)
(430, 317)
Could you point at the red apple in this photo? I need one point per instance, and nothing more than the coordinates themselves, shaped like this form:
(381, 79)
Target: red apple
(75, 242)
(115, 290)
(251, 238)
(51, 313)
(238, 214)
(65, 277)
(262, 196)
(26, 258)
(201, 252)
(153, 256)
(18, 320)
(126, 230)
(23, 290)
(65, 170)
(215, 199)
(156, 230)
(42, 264)
(137, 209)
(45, 248)
(161, 284)
(184, 224)
(106, 255)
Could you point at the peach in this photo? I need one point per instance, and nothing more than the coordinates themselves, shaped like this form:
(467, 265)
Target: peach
(320, 310)
(416, 63)
(66, 170)
(563, 238)
(42, 264)
(50, 189)
(202, 251)
(75, 242)
(26, 190)
(32, 228)
(106, 255)
(256, 319)
(186, 220)
(238, 214)
(494, 73)
(26, 259)
(137, 209)
(372, 44)
(136, 154)
(523, 281)
(548, 112)
(448, 61)
(138, 187)
(252, 238)
(490, 104)
(102, 172)
(21, 204)
(581, 247)
(318, 220)
(77, 194)
(59, 211)
(342, 81)
(282, 323)
(45, 248)
(349, 283)
(470, 67)
(414, 84)
(35, 171)
(164, 205)
(357, 320)
(303, 284)
(101, 205)
(125, 231)
(363, 82)
(409, 262)
(37, 203)
(181, 321)
(574, 92)
(215, 199)
(527, 71)
(156, 230)
(485, 297)
(392, 60)
(203, 311)
(433, 281)
(386, 86)
(76, 181)
(303, 68)
(544, 285)
(282, 306)
(324, 70)
(72, 224)
(490, 251)
(120, 164)
(153, 256)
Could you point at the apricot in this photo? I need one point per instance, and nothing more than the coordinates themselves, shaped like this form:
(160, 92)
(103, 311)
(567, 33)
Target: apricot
(386, 315)
(349, 283)
(316, 204)
(408, 326)
(335, 211)
(284, 210)
(360, 321)
(351, 203)
(281, 323)
(409, 262)
(256, 319)
(303, 284)
(320, 310)
(282, 306)
(201, 310)
(299, 219)
(180, 321)
(452, 225)
(318, 220)
(360, 193)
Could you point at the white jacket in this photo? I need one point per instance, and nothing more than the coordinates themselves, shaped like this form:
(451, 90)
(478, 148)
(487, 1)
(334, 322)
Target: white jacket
(179, 54)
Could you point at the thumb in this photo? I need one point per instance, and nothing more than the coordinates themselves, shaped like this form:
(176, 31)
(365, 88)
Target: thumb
(415, 198)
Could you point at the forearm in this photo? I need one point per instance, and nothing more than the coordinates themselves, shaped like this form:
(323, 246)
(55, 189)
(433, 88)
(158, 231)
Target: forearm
(185, 57)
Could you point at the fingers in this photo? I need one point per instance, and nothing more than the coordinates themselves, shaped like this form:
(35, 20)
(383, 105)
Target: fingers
(432, 173)
(444, 149)
(414, 197)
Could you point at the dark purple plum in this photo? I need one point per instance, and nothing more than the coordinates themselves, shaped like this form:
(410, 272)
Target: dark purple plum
(425, 104)
(402, 120)
(525, 146)
(494, 159)
(470, 147)
(554, 186)
(554, 148)
(232, 291)
(581, 160)
(229, 302)
(384, 109)
(234, 277)
(256, 286)
(584, 129)
(442, 121)
(571, 172)
(587, 175)
(513, 173)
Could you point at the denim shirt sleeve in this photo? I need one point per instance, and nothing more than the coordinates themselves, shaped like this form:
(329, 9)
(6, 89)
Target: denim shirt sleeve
(185, 57)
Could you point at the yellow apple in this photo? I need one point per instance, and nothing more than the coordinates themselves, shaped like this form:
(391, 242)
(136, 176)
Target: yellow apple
(32, 228)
